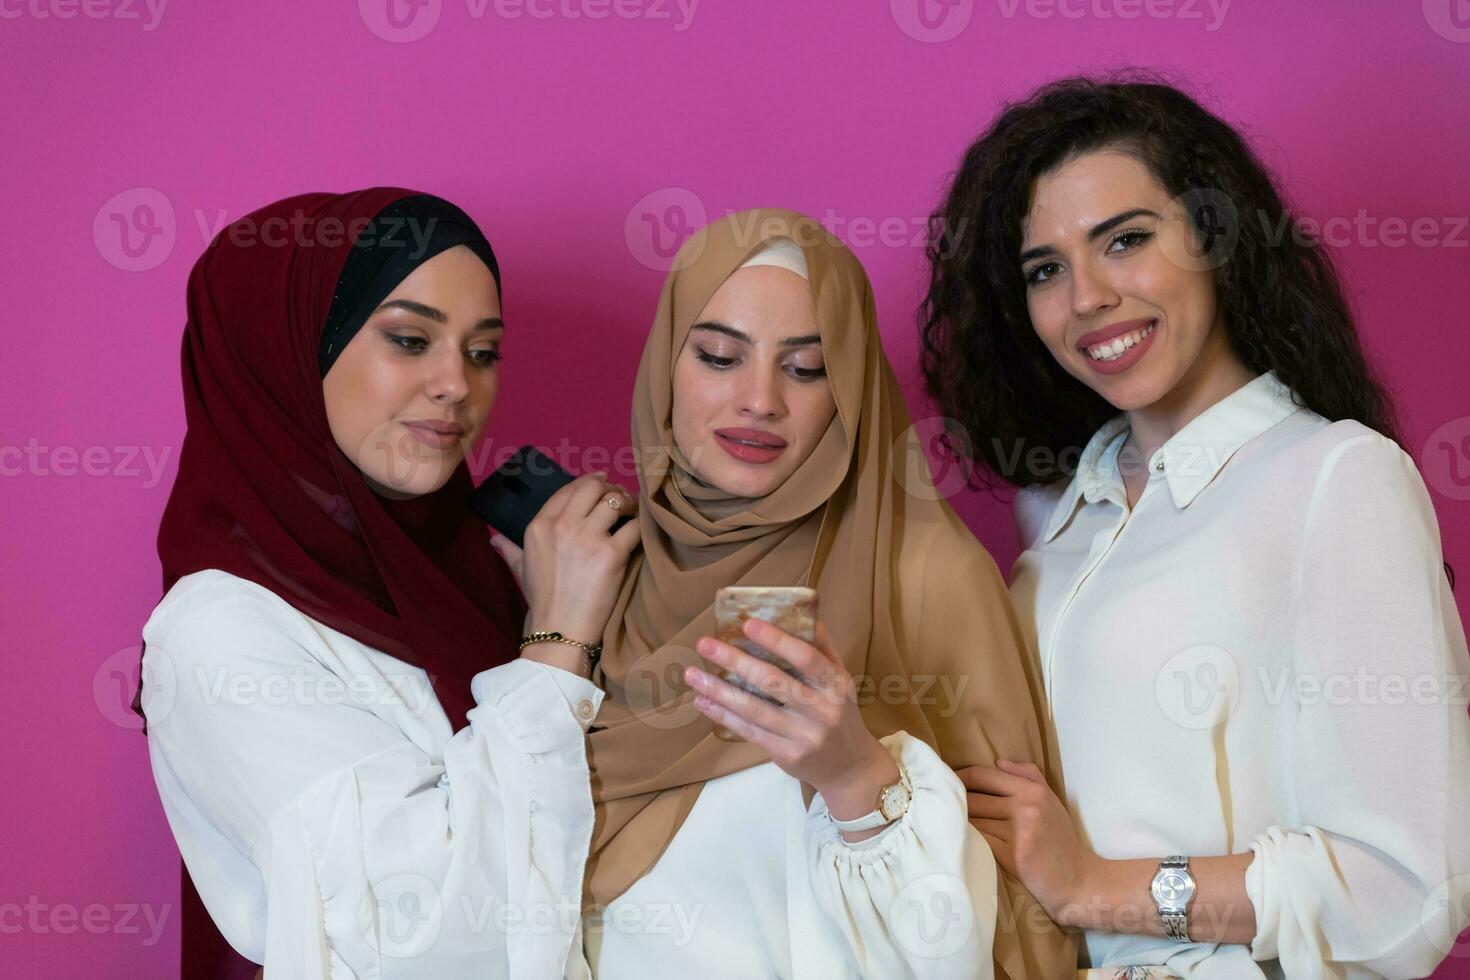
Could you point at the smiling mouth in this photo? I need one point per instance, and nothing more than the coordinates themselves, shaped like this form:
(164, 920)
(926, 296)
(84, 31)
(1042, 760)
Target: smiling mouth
(1118, 346)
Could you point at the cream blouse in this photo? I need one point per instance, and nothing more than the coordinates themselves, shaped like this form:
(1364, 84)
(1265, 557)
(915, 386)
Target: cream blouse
(1262, 655)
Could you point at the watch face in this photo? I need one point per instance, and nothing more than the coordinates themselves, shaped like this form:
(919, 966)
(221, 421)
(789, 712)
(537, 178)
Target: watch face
(1173, 888)
(894, 802)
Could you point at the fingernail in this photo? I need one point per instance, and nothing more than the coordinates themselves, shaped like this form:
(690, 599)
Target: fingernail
(705, 645)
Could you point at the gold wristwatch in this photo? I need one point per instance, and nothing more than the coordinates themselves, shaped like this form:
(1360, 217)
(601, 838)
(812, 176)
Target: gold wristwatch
(893, 802)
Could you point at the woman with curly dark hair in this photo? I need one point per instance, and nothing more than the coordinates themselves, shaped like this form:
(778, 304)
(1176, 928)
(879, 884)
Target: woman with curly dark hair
(1231, 571)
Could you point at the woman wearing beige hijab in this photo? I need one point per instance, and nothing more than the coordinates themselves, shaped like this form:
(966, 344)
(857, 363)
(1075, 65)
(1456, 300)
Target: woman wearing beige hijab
(720, 858)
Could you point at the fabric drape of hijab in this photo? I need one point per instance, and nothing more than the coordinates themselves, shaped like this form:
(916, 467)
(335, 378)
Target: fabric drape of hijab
(264, 492)
(839, 524)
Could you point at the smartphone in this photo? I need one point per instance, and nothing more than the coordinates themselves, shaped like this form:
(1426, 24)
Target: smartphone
(514, 494)
(791, 609)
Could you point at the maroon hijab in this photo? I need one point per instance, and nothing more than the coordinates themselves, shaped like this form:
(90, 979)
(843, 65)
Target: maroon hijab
(264, 492)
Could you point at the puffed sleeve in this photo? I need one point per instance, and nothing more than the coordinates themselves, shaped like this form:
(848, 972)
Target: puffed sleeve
(1374, 868)
(353, 852)
(918, 899)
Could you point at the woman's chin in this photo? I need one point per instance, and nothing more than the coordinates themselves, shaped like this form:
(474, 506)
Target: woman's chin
(420, 484)
(1130, 391)
(743, 484)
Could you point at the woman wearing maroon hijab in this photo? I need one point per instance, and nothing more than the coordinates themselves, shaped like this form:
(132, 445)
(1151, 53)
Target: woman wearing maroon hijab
(363, 775)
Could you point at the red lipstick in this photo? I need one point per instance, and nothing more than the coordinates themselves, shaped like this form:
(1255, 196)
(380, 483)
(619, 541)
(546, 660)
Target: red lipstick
(750, 445)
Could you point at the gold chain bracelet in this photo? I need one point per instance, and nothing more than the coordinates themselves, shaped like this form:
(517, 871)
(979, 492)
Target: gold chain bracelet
(592, 651)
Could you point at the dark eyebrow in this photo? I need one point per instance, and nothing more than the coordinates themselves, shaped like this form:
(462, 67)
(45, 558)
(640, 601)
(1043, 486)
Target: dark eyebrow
(1097, 231)
(437, 315)
(745, 337)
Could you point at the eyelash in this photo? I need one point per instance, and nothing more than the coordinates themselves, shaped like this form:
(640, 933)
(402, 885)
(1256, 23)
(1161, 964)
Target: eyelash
(725, 363)
(407, 344)
(1137, 235)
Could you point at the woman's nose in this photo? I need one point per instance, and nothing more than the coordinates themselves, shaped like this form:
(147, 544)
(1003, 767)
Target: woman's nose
(1091, 291)
(448, 380)
(760, 395)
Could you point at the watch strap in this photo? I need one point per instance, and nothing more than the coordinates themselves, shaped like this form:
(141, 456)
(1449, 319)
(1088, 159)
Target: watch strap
(867, 821)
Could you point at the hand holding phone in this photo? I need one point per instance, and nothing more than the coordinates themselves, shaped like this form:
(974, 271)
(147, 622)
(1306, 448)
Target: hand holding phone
(572, 538)
(791, 609)
(818, 734)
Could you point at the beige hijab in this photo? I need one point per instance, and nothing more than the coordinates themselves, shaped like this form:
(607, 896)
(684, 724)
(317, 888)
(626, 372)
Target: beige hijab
(843, 523)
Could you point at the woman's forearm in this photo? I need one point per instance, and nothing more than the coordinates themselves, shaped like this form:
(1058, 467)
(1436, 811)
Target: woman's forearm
(1114, 896)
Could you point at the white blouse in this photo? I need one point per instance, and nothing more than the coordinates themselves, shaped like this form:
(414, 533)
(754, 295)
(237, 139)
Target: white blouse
(336, 827)
(333, 823)
(1263, 655)
(755, 885)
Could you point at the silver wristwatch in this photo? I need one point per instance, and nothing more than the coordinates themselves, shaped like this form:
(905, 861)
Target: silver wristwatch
(1173, 889)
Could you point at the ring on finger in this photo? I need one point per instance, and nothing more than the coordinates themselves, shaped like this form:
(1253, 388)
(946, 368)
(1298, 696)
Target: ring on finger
(615, 502)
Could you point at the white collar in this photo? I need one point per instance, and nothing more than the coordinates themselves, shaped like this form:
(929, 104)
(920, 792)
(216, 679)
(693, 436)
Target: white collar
(1190, 460)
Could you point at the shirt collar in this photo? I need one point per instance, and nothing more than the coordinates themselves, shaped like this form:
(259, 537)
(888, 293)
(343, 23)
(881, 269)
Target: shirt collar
(1189, 461)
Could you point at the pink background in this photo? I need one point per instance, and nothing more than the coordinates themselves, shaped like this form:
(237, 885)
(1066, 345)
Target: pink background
(560, 134)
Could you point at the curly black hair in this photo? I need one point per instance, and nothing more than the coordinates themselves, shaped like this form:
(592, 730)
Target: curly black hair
(1283, 304)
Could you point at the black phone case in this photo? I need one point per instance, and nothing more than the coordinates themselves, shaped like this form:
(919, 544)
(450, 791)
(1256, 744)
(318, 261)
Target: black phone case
(510, 497)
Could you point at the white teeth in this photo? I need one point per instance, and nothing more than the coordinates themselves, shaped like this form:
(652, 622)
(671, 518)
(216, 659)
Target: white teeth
(1115, 348)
